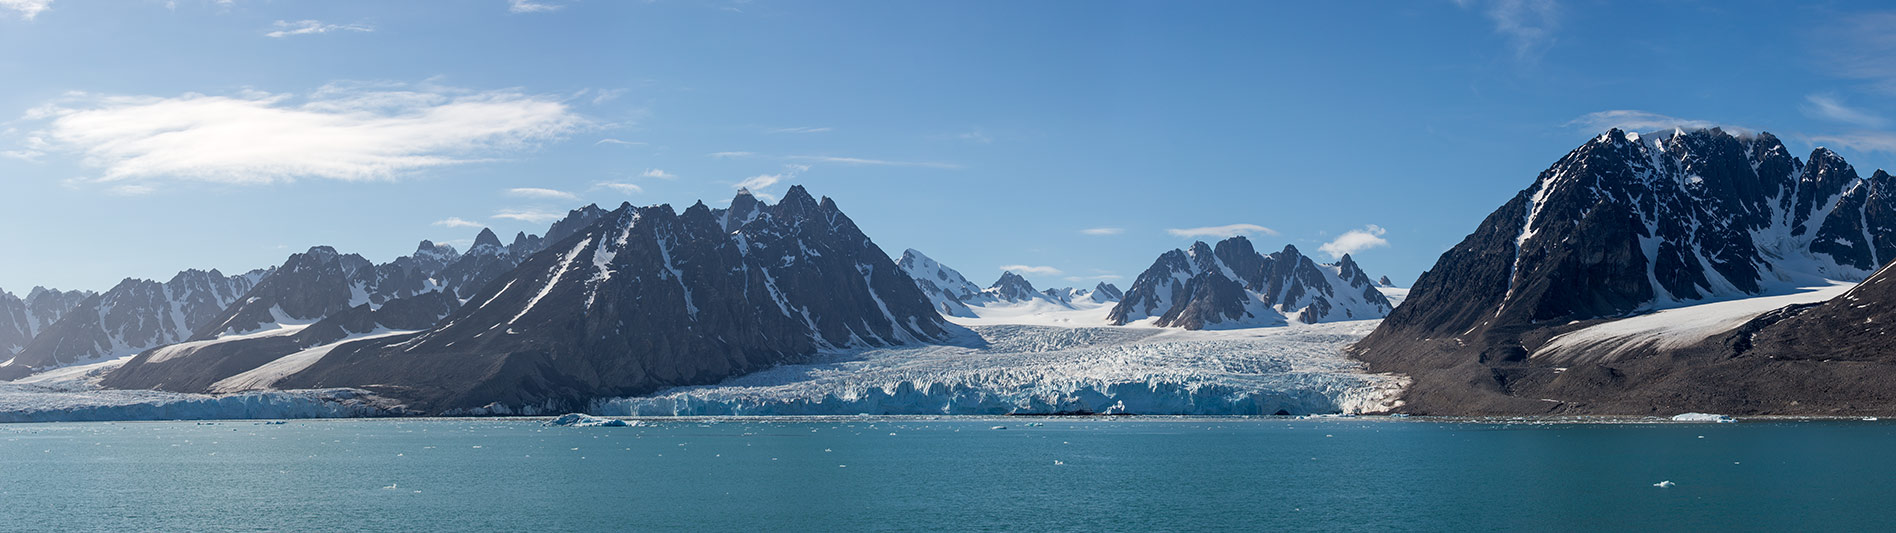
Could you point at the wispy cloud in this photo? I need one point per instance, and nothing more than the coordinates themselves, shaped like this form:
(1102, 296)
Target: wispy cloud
(619, 142)
(1868, 141)
(131, 189)
(1528, 25)
(26, 9)
(1103, 231)
(732, 155)
(1637, 121)
(458, 222)
(286, 28)
(975, 136)
(800, 130)
(1031, 269)
(531, 6)
(343, 132)
(1354, 241)
(1829, 108)
(626, 188)
(658, 174)
(536, 192)
(1858, 46)
(1228, 230)
(760, 181)
(870, 162)
(528, 215)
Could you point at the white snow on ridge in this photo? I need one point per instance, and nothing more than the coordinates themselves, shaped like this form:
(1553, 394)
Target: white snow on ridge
(1674, 328)
(1022, 369)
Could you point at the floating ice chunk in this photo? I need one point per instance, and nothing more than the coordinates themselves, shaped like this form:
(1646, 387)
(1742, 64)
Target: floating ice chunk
(1703, 417)
(998, 427)
(1665, 484)
(578, 420)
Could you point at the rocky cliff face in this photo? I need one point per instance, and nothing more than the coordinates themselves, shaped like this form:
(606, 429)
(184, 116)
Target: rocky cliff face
(1622, 225)
(1234, 286)
(134, 315)
(22, 318)
(648, 298)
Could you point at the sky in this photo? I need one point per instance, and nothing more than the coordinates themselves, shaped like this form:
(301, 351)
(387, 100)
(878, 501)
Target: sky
(1070, 141)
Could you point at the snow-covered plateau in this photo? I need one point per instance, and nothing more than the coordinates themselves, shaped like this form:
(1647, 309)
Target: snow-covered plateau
(998, 369)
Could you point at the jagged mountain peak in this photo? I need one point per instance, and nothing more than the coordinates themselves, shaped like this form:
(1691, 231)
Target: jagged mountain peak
(487, 238)
(1011, 287)
(1231, 285)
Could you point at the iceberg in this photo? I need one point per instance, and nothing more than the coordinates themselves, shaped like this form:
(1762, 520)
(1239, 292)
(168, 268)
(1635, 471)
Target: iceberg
(577, 420)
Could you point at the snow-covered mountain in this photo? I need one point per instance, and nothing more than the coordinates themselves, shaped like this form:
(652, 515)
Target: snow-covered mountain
(1233, 286)
(1625, 224)
(1010, 298)
(134, 315)
(648, 298)
(22, 318)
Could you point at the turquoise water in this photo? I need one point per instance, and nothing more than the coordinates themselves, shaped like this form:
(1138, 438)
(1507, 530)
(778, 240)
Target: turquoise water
(945, 474)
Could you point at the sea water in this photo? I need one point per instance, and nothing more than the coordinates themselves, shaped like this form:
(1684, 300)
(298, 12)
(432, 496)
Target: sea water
(916, 474)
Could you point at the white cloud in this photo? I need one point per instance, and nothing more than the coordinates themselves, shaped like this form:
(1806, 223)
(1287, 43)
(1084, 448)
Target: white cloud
(871, 162)
(1355, 240)
(1868, 141)
(1639, 121)
(1827, 107)
(659, 174)
(528, 215)
(731, 155)
(1528, 25)
(286, 28)
(1103, 231)
(531, 6)
(801, 130)
(619, 142)
(626, 188)
(536, 192)
(760, 181)
(976, 136)
(458, 222)
(27, 9)
(343, 132)
(1030, 269)
(1228, 230)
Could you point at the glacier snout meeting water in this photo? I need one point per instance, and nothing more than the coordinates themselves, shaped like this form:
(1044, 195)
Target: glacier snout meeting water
(1032, 369)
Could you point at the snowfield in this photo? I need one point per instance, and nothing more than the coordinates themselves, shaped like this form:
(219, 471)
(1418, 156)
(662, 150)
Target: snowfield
(1675, 328)
(996, 369)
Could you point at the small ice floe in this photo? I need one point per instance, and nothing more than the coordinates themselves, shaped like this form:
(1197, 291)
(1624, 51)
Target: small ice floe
(1057, 462)
(1703, 417)
(998, 427)
(1035, 424)
(1665, 484)
(577, 420)
(391, 486)
(1870, 419)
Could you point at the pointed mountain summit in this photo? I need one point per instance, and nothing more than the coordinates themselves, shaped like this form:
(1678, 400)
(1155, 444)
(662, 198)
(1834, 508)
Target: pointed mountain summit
(946, 288)
(1011, 288)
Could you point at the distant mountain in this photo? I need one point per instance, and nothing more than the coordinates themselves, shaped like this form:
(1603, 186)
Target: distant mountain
(945, 288)
(22, 319)
(134, 315)
(1234, 286)
(1011, 288)
(489, 259)
(643, 299)
(1622, 225)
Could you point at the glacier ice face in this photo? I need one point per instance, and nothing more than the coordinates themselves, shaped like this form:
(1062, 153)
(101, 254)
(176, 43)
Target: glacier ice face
(1032, 369)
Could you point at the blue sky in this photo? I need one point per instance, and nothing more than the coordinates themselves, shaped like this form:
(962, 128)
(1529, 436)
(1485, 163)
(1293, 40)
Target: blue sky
(1077, 139)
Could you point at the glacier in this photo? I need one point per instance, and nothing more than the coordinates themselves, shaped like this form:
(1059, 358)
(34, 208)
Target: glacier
(1015, 369)
(73, 394)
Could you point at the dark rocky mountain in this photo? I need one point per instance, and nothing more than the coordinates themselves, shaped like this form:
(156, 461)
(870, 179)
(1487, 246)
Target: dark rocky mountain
(22, 319)
(134, 315)
(647, 298)
(1011, 288)
(1233, 285)
(1384, 281)
(207, 364)
(489, 259)
(1622, 225)
(1107, 292)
